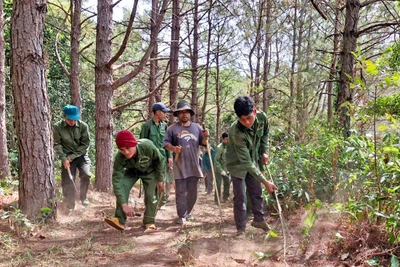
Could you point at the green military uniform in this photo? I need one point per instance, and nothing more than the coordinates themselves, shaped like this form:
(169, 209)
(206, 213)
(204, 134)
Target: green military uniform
(73, 142)
(220, 166)
(156, 134)
(245, 142)
(245, 148)
(149, 166)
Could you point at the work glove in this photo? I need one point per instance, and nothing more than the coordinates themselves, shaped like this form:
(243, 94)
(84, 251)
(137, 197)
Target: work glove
(223, 173)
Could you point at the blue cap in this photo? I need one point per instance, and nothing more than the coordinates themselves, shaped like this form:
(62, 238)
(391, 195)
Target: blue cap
(72, 113)
(160, 106)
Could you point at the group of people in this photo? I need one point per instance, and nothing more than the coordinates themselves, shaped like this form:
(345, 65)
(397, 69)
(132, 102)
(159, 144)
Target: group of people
(165, 154)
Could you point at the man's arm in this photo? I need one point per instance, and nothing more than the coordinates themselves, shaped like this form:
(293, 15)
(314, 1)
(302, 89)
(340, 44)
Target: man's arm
(144, 131)
(205, 134)
(158, 160)
(117, 177)
(218, 157)
(168, 153)
(264, 139)
(84, 142)
(167, 144)
(58, 148)
(243, 154)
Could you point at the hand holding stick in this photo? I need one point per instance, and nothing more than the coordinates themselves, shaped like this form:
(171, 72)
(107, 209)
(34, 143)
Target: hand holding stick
(72, 178)
(177, 151)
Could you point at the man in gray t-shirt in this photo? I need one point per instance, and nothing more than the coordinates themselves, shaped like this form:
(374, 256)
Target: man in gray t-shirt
(184, 139)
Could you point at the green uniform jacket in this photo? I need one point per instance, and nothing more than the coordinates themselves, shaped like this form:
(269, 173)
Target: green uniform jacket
(148, 163)
(245, 147)
(157, 134)
(220, 164)
(69, 141)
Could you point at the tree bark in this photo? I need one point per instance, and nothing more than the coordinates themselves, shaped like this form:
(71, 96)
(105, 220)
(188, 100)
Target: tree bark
(267, 58)
(292, 70)
(259, 52)
(217, 87)
(333, 72)
(300, 89)
(194, 61)
(153, 61)
(76, 7)
(208, 55)
(32, 109)
(4, 167)
(174, 53)
(345, 94)
(104, 94)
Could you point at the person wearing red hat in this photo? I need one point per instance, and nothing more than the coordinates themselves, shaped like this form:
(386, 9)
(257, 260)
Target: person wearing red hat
(136, 159)
(71, 143)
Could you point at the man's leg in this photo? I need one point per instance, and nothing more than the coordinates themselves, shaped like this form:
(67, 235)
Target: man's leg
(209, 181)
(167, 184)
(84, 175)
(227, 184)
(255, 193)
(150, 200)
(191, 193)
(239, 203)
(180, 197)
(218, 179)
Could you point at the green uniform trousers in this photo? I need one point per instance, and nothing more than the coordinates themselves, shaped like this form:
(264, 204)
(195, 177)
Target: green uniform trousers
(169, 179)
(150, 198)
(219, 179)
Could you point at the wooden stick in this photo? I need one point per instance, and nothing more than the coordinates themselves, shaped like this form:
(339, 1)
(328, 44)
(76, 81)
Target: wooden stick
(214, 180)
(284, 227)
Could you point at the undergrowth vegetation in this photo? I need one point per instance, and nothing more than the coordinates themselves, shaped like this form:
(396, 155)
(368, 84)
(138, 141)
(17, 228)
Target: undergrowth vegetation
(357, 175)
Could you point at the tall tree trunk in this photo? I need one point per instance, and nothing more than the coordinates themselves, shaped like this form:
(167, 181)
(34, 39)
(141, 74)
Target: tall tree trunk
(4, 167)
(207, 76)
(256, 49)
(76, 7)
(292, 71)
(174, 56)
(300, 88)
(345, 94)
(259, 52)
(194, 60)
(32, 109)
(332, 71)
(153, 60)
(217, 87)
(304, 49)
(267, 57)
(104, 93)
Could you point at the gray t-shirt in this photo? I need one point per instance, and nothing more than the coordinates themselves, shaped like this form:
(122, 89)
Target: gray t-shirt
(190, 138)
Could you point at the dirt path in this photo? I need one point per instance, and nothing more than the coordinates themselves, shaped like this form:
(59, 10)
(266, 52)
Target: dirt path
(81, 238)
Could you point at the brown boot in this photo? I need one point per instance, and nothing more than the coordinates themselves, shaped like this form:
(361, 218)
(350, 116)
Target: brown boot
(261, 225)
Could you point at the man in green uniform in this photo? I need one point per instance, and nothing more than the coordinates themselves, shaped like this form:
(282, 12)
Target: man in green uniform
(136, 160)
(155, 129)
(71, 144)
(247, 149)
(221, 172)
(206, 166)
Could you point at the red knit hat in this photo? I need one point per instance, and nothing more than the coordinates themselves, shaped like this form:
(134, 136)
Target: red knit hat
(125, 139)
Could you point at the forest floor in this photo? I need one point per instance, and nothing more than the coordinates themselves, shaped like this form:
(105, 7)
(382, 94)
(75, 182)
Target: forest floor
(81, 238)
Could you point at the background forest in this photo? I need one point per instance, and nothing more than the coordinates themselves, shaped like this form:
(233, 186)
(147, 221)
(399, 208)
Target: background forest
(325, 72)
